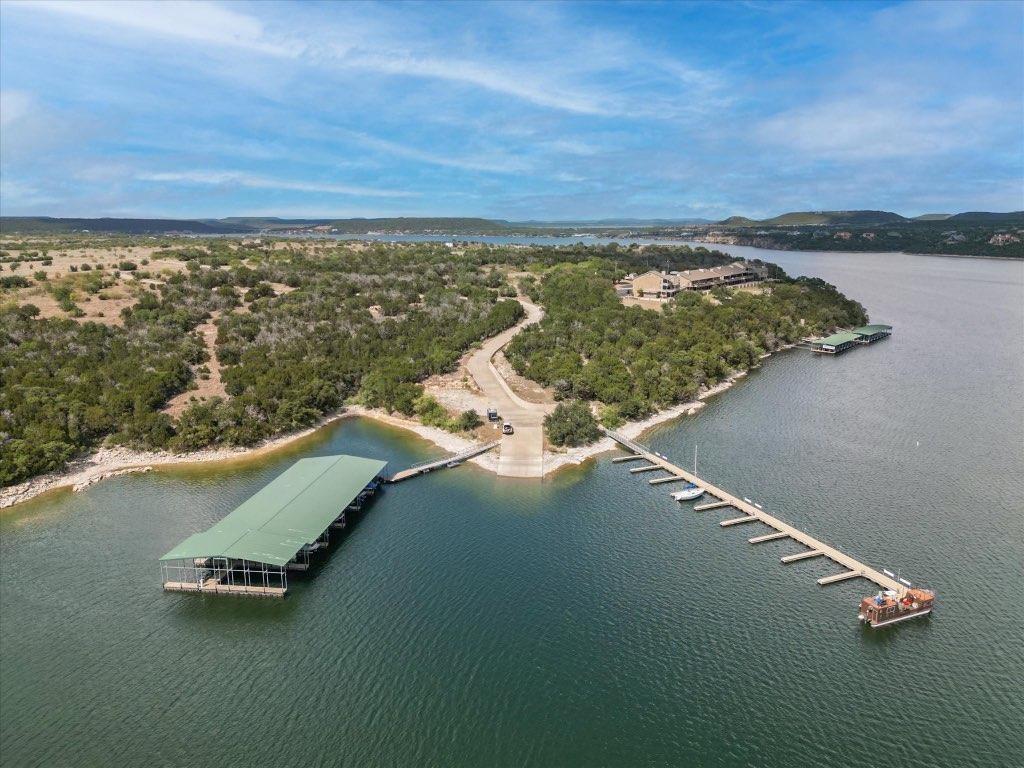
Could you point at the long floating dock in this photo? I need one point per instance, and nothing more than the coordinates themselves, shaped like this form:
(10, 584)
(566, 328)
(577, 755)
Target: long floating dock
(815, 547)
(447, 461)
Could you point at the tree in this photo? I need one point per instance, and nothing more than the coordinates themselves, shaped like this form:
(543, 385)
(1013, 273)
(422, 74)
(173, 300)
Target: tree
(469, 420)
(571, 424)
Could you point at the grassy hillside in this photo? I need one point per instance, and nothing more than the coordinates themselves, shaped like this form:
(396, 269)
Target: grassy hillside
(819, 219)
(1013, 218)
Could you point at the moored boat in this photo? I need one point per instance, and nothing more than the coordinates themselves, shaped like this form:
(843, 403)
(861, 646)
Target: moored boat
(890, 606)
(691, 491)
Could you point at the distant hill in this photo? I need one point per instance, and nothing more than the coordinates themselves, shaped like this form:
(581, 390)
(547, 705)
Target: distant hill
(249, 225)
(612, 223)
(47, 225)
(819, 219)
(983, 217)
(240, 225)
(739, 221)
(445, 225)
(267, 222)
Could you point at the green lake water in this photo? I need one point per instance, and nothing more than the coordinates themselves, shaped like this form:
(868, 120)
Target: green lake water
(587, 620)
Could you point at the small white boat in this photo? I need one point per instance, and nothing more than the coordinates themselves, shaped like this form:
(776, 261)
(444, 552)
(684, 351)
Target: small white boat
(688, 493)
(692, 490)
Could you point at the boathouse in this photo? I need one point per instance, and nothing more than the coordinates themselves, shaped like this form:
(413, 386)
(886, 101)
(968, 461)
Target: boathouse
(836, 343)
(278, 529)
(870, 333)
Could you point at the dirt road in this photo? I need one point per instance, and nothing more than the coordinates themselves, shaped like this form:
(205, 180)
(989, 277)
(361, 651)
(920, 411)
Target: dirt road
(522, 453)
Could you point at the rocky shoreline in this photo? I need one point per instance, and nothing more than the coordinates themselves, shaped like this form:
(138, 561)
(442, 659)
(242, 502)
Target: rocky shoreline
(113, 462)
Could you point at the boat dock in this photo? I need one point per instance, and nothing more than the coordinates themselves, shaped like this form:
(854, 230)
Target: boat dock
(813, 547)
(448, 461)
(278, 529)
(841, 341)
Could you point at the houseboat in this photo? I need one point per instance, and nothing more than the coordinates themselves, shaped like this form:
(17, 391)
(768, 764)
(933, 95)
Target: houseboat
(889, 607)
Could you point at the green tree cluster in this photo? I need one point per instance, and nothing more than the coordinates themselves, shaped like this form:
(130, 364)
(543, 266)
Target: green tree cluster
(589, 346)
(571, 424)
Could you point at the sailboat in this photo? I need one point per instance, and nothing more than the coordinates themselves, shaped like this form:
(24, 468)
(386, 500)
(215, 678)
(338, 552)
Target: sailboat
(691, 491)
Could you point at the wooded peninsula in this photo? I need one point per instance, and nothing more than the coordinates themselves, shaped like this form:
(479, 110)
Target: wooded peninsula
(178, 344)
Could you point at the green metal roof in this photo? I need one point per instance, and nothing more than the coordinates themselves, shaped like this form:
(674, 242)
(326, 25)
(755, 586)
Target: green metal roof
(838, 338)
(289, 512)
(871, 330)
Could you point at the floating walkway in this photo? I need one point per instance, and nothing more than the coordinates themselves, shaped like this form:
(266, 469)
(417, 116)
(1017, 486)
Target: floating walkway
(815, 548)
(448, 461)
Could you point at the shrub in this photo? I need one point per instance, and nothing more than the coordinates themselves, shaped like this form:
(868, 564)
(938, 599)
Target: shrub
(572, 424)
(127, 266)
(468, 420)
(14, 281)
(611, 417)
(259, 291)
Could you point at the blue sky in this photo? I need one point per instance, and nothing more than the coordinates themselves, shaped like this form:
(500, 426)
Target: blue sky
(520, 110)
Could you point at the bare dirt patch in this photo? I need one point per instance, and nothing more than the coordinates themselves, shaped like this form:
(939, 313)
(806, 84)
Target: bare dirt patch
(529, 390)
(206, 388)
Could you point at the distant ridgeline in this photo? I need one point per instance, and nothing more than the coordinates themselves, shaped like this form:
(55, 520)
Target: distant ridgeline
(972, 234)
(242, 225)
(966, 234)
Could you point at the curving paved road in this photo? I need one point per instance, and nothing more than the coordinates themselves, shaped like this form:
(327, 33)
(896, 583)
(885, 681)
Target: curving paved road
(522, 453)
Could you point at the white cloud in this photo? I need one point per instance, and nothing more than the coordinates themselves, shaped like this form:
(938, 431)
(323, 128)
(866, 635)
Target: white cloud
(520, 84)
(14, 105)
(491, 164)
(199, 22)
(253, 181)
(880, 126)
(559, 78)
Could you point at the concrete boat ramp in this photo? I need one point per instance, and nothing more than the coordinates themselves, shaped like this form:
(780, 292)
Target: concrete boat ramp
(752, 513)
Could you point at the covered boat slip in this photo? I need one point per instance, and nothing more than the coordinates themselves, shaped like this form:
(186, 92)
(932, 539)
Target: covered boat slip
(873, 332)
(275, 530)
(844, 340)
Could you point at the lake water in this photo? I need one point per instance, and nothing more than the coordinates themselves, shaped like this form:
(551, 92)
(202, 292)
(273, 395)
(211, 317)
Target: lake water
(587, 620)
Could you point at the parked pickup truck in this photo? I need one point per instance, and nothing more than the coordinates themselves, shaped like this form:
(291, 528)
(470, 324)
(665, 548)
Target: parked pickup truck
(492, 414)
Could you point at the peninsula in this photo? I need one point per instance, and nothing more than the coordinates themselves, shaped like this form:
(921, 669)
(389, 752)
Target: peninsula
(122, 352)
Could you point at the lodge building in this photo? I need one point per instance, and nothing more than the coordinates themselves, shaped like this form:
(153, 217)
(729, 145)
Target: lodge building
(665, 285)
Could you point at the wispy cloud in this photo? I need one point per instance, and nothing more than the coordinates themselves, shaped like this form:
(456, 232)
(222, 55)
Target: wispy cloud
(253, 181)
(191, 20)
(539, 110)
(521, 85)
(877, 125)
(495, 163)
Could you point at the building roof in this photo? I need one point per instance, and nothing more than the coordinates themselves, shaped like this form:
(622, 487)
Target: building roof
(708, 273)
(292, 510)
(838, 338)
(871, 330)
